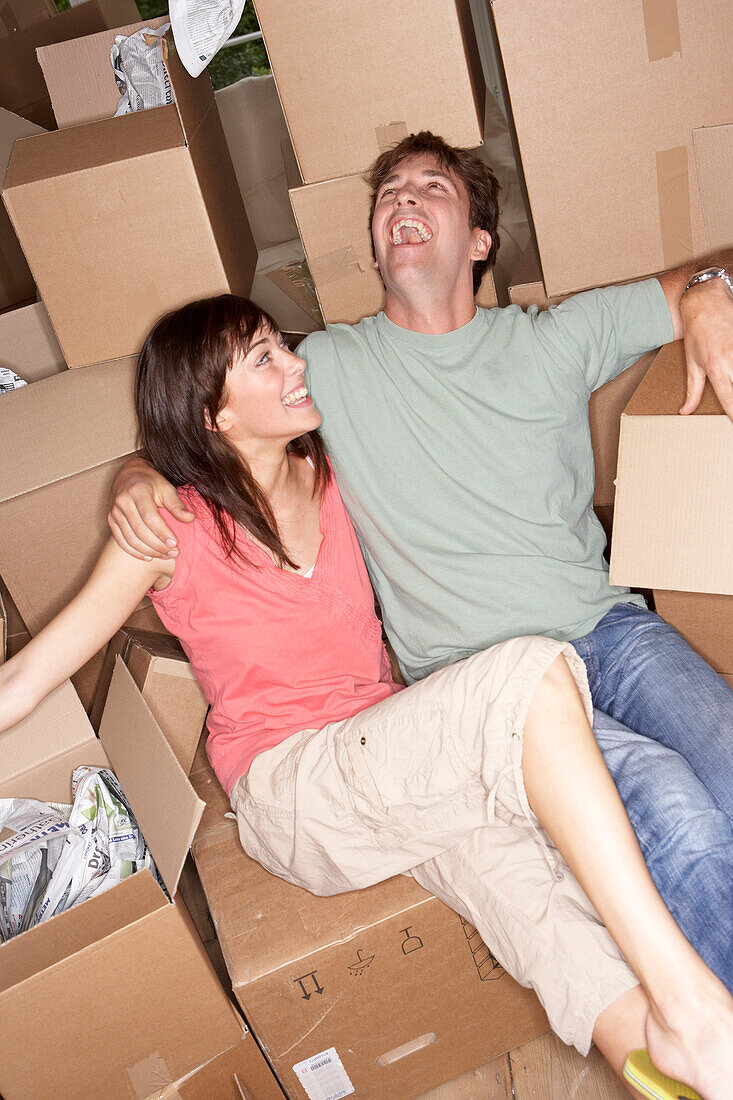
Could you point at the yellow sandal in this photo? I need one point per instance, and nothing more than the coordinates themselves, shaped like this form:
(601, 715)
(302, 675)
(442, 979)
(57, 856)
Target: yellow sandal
(644, 1076)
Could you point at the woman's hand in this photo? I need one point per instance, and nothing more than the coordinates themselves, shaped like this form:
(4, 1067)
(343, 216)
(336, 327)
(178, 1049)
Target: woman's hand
(134, 520)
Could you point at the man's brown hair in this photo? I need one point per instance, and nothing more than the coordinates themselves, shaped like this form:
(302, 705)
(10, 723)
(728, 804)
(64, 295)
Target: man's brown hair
(478, 179)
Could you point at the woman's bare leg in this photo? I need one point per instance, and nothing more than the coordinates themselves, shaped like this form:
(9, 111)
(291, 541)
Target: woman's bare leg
(689, 1022)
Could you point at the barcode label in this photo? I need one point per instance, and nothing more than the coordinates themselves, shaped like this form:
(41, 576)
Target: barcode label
(323, 1076)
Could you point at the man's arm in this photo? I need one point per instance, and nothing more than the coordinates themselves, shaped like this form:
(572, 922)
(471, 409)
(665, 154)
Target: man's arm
(137, 527)
(704, 318)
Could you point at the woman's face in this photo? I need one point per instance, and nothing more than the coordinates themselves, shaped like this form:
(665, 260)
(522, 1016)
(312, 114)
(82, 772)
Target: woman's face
(266, 399)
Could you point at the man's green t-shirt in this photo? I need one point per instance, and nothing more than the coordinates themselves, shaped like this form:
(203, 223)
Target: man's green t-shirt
(465, 462)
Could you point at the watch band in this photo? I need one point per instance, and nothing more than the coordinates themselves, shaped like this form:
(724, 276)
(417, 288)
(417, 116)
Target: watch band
(710, 273)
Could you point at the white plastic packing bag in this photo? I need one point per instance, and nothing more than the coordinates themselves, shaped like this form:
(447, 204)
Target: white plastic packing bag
(140, 71)
(200, 29)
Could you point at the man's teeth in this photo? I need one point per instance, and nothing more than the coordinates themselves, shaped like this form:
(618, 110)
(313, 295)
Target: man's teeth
(409, 223)
(295, 396)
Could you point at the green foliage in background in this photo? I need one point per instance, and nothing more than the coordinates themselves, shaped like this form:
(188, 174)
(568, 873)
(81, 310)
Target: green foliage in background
(230, 65)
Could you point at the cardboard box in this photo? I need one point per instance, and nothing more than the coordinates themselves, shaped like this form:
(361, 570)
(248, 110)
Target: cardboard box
(14, 632)
(22, 88)
(608, 111)
(606, 403)
(28, 344)
(706, 621)
(333, 222)
(240, 1073)
(353, 79)
(16, 15)
(283, 287)
(262, 155)
(673, 525)
(16, 281)
(400, 986)
(70, 433)
(169, 222)
(116, 992)
(164, 678)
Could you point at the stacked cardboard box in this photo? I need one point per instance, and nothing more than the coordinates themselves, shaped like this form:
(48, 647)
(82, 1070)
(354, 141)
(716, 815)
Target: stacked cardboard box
(362, 95)
(673, 528)
(625, 131)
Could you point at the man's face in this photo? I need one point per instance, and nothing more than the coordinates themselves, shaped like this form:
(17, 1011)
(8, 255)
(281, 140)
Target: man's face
(420, 228)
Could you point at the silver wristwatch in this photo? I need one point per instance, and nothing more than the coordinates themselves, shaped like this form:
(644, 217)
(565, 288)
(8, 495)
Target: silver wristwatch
(710, 273)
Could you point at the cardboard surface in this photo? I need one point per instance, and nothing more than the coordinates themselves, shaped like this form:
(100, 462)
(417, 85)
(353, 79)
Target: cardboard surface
(161, 671)
(382, 72)
(130, 940)
(163, 189)
(607, 403)
(608, 99)
(28, 344)
(22, 88)
(714, 161)
(333, 222)
(240, 1073)
(16, 15)
(16, 281)
(70, 434)
(673, 526)
(705, 620)
(262, 155)
(366, 972)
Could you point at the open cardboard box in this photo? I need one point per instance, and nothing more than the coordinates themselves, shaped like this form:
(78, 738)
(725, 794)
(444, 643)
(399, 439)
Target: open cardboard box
(16, 281)
(623, 126)
(115, 997)
(164, 678)
(168, 226)
(355, 78)
(22, 88)
(28, 344)
(401, 987)
(333, 222)
(673, 524)
(606, 403)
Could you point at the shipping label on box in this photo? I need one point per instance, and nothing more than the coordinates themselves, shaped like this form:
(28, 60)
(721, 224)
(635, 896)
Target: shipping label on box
(353, 79)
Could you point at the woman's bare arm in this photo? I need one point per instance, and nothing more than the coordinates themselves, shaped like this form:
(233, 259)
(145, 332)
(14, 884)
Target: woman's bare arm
(134, 520)
(117, 584)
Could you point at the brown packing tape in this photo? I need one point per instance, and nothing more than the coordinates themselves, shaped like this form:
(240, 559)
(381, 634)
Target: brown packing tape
(662, 26)
(390, 134)
(150, 1077)
(675, 222)
(336, 265)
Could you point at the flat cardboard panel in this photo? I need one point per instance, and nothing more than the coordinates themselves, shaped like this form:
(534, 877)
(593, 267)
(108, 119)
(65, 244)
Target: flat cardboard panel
(16, 15)
(565, 72)
(164, 802)
(338, 249)
(241, 1071)
(28, 344)
(714, 160)
(673, 528)
(57, 726)
(705, 620)
(383, 71)
(16, 281)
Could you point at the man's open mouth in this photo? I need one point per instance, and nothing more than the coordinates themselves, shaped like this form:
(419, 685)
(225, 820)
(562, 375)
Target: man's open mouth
(410, 231)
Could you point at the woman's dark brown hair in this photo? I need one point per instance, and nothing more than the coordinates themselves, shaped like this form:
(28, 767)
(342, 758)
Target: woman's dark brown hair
(181, 388)
(478, 179)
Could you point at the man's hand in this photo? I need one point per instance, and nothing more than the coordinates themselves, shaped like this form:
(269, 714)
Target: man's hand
(704, 318)
(707, 318)
(136, 525)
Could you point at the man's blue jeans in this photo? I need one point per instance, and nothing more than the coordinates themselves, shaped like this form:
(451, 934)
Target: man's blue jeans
(664, 723)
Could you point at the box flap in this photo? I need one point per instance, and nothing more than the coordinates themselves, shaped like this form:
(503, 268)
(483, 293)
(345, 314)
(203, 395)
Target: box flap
(161, 796)
(79, 74)
(13, 127)
(68, 423)
(57, 726)
(16, 15)
(714, 161)
(28, 344)
(62, 936)
(663, 389)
